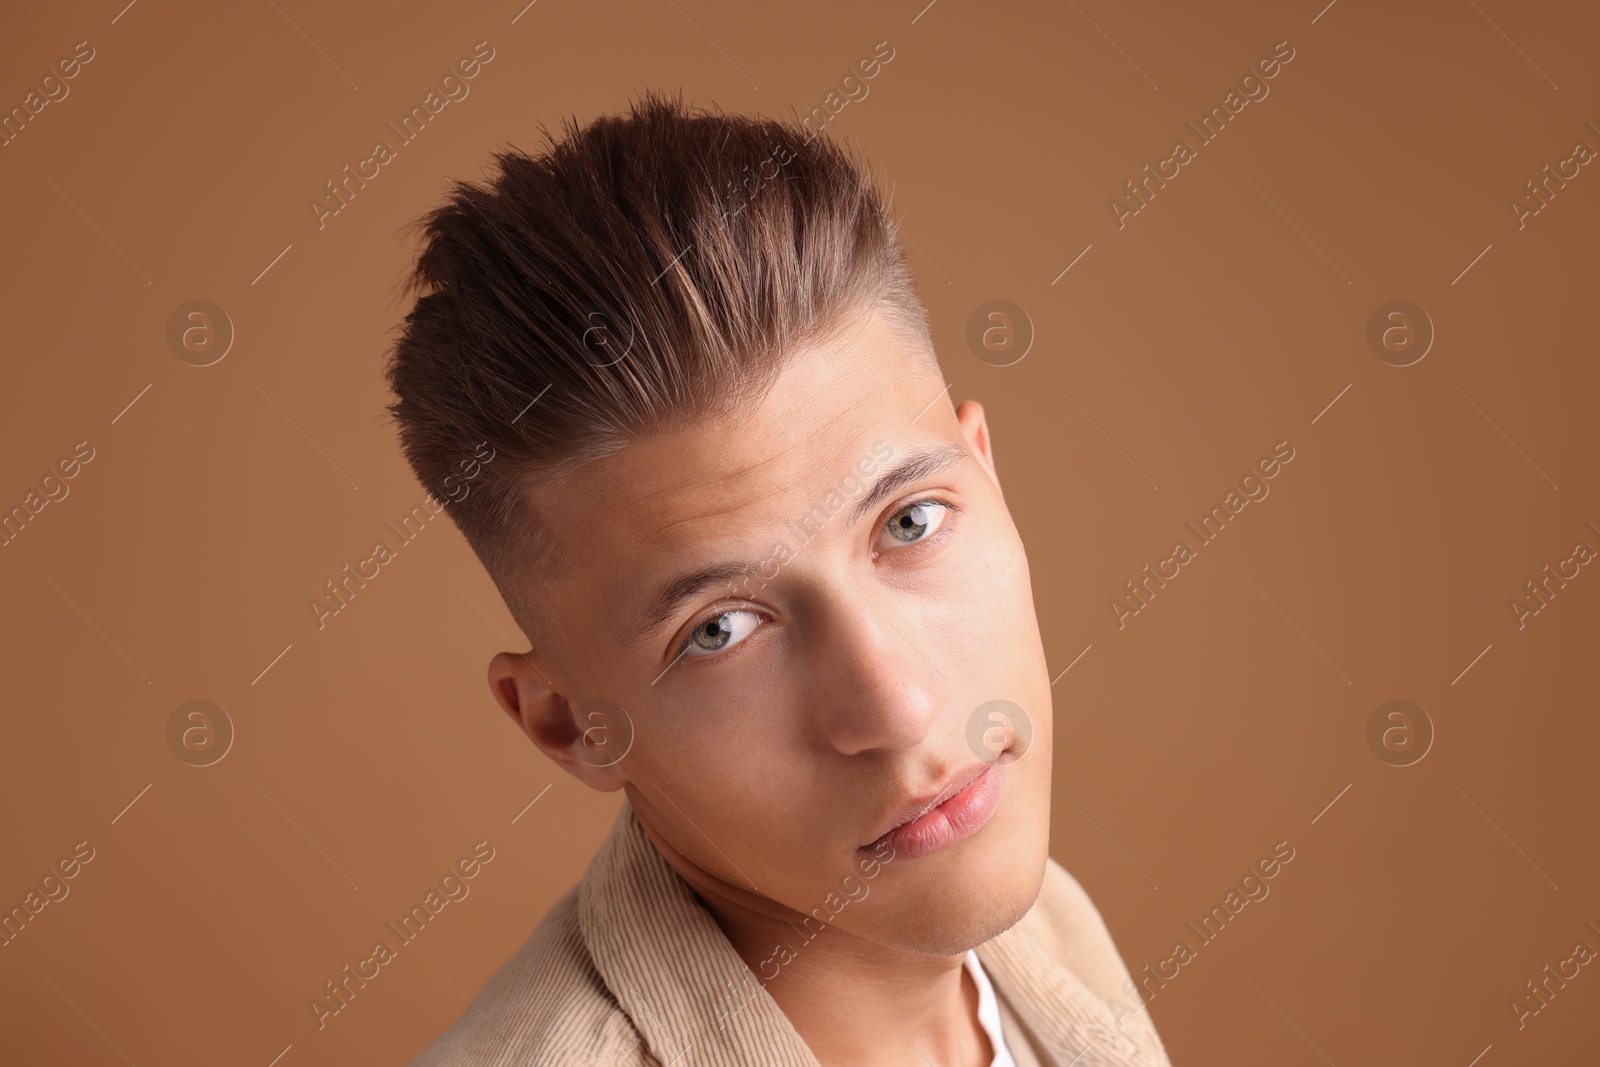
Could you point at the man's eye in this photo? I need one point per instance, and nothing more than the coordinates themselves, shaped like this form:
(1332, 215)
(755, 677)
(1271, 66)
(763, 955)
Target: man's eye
(720, 632)
(917, 522)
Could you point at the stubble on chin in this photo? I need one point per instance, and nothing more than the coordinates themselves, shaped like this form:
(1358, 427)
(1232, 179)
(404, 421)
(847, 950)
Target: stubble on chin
(920, 934)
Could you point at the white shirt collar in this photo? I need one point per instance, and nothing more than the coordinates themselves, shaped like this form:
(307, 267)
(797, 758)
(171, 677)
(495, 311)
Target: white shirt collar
(989, 1013)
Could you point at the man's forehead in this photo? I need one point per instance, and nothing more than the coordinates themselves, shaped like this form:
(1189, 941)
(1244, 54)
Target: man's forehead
(765, 464)
(826, 407)
(665, 493)
(720, 486)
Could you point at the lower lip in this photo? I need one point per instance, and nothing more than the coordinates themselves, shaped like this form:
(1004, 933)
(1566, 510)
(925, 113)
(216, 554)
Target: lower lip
(958, 818)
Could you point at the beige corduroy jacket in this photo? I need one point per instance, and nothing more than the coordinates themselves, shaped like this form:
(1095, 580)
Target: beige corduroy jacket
(628, 968)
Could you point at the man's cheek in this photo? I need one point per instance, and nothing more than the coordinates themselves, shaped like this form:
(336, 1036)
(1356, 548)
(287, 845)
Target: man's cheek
(986, 576)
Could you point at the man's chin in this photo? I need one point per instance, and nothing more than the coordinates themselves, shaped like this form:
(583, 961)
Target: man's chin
(963, 910)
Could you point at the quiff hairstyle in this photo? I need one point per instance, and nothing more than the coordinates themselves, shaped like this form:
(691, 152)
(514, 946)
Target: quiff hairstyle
(646, 271)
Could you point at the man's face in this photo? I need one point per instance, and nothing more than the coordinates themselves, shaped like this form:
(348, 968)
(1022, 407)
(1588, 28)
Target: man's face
(778, 718)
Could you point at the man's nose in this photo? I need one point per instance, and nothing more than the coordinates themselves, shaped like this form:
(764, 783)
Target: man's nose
(874, 672)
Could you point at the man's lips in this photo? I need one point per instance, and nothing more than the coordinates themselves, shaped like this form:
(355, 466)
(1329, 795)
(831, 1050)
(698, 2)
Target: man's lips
(940, 826)
(916, 808)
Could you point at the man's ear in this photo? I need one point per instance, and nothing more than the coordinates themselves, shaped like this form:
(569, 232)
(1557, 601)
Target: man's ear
(589, 749)
(975, 428)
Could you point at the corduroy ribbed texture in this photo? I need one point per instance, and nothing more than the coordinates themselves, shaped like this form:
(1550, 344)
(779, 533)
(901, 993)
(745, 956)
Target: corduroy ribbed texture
(627, 968)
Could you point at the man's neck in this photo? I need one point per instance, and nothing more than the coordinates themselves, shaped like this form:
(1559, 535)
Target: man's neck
(854, 1002)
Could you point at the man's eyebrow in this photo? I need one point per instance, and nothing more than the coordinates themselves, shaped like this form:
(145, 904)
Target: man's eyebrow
(664, 604)
(918, 464)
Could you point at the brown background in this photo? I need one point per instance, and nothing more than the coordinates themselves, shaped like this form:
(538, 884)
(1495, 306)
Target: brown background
(1225, 317)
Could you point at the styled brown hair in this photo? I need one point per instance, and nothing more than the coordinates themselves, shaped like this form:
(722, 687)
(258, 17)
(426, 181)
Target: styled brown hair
(645, 271)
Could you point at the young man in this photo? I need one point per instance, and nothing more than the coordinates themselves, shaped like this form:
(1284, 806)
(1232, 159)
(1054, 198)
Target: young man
(773, 594)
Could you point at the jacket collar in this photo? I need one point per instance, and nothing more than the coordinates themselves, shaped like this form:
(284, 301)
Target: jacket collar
(696, 1003)
(1074, 1024)
(670, 966)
